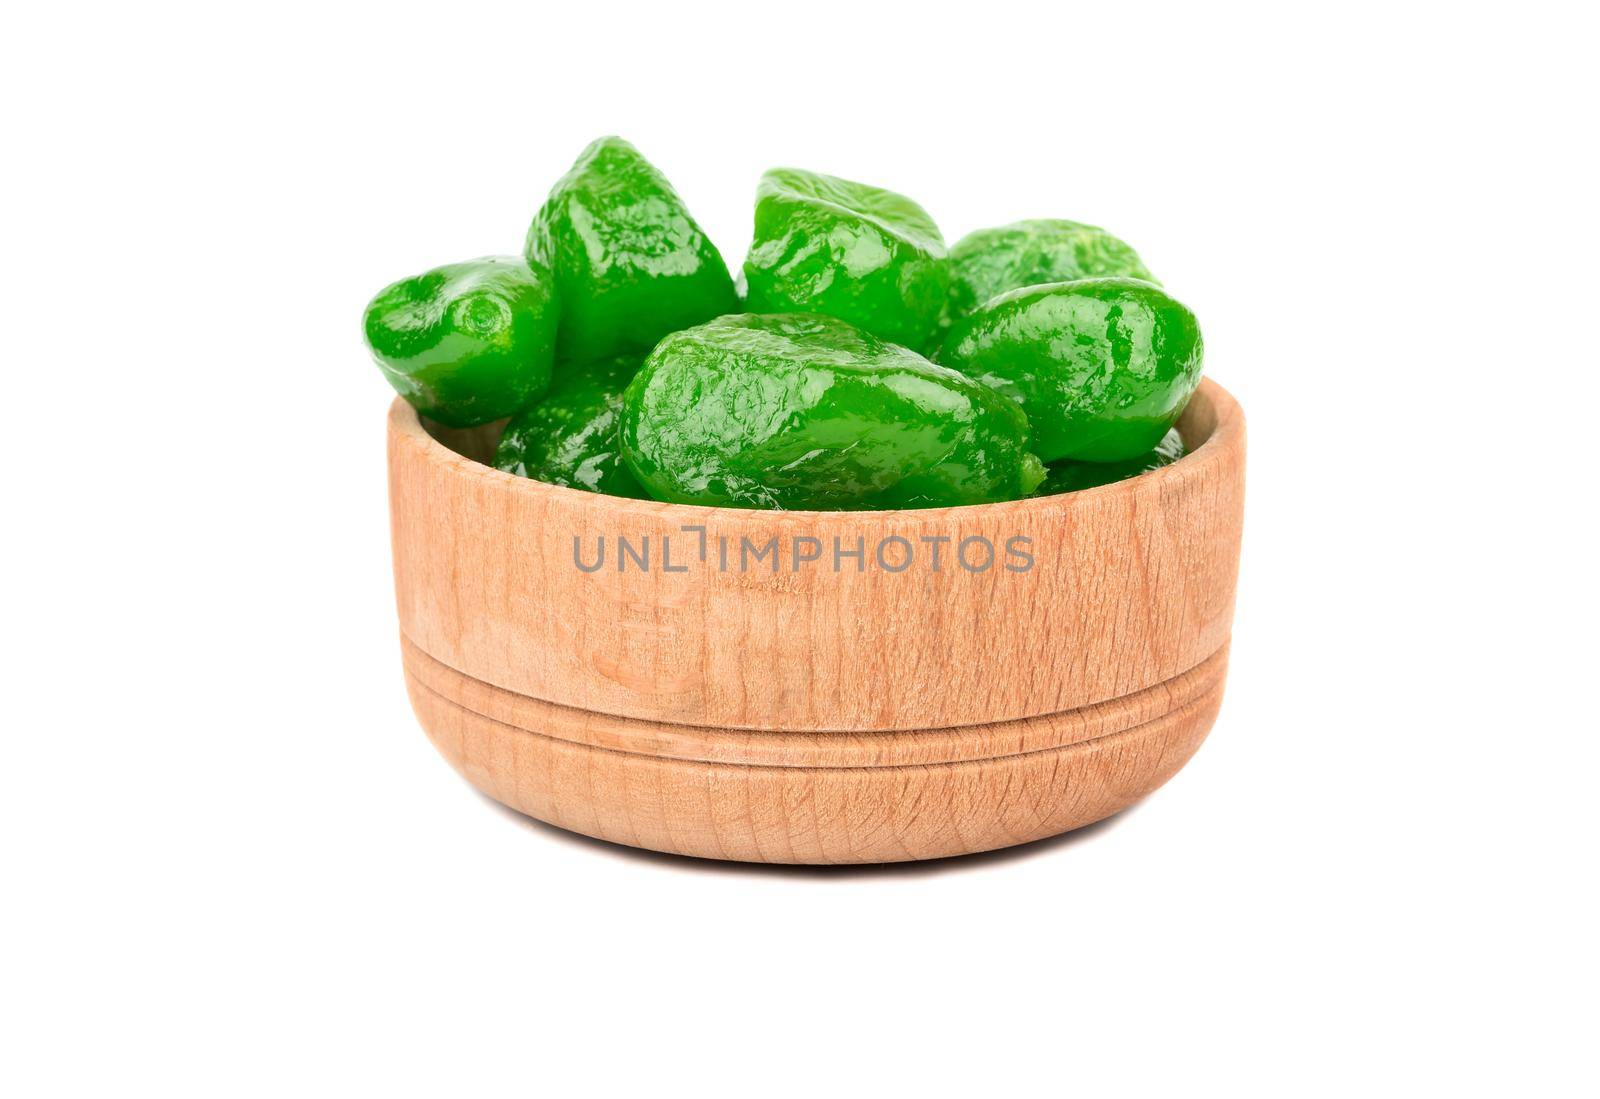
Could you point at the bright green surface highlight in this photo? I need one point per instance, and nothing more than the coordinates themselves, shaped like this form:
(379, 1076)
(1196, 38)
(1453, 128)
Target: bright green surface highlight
(991, 262)
(1102, 367)
(859, 253)
(569, 437)
(469, 342)
(805, 411)
(629, 261)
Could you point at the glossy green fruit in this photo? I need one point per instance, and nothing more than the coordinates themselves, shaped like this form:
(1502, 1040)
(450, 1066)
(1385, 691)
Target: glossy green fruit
(569, 437)
(1070, 476)
(629, 261)
(469, 342)
(859, 253)
(990, 262)
(1102, 367)
(805, 411)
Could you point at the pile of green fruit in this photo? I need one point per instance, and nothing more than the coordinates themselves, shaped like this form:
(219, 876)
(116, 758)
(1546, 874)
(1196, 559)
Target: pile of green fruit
(863, 365)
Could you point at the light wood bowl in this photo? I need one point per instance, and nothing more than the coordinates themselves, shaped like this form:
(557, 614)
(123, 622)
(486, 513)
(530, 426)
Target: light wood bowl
(805, 715)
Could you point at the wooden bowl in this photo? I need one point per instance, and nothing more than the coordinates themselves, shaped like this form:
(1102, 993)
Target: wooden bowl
(714, 695)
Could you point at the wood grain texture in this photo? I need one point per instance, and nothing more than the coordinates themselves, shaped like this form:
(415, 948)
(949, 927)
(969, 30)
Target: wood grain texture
(796, 713)
(755, 813)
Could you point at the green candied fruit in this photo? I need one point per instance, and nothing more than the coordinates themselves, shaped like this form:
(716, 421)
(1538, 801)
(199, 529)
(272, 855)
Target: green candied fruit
(469, 342)
(1102, 367)
(805, 411)
(1070, 476)
(859, 253)
(629, 261)
(989, 262)
(570, 436)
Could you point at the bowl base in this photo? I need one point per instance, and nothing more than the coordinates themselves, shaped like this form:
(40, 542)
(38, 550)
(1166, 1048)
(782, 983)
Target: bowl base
(813, 797)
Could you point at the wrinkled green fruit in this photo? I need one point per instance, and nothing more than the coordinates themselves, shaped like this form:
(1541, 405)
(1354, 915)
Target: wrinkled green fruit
(629, 261)
(570, 436)
(859, 253)
(805, 411)
(1102, 367)
(991, 262)
(469, 342)
(1070, 476)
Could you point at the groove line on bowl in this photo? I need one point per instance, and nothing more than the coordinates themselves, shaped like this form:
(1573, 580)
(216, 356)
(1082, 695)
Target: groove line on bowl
(1201, 668)
(1183, 716)
(1181, 694)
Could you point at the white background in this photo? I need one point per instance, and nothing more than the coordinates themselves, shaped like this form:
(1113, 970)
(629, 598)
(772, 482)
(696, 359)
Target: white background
(233, 863)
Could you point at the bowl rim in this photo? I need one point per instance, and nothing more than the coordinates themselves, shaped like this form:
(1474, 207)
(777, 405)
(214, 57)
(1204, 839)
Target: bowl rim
(1226, 436)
